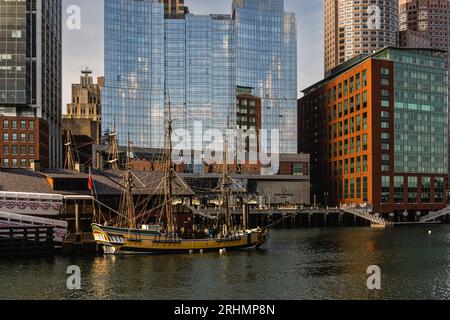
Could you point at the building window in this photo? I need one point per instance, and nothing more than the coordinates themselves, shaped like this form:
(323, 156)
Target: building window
(346, 189)
(14, 150)
(31, 137)
(398, 189)
(14, 124)
(23, 137)
(297, 169)
(14, 163)
(438, 190)
(385, 189)
(365, 143)
(31, 148)
(364, 125)
(364, 98)
(412, 189)
(426, 189)
(5, 162)
(5, 149)
(23, 163)
(5, 136)
(5, 124)
(352, 188)
(14, 136)
(23, 124)
(365, 189)
(23, 150)
(365, 164)
(31, 124)
(358, 188)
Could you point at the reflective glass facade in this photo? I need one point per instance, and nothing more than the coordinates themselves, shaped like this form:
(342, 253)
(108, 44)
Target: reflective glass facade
(13, 51)
(266, 60)
(30, 66)
(198, 61)
(133, 96)
(420, 111)
(210, 96)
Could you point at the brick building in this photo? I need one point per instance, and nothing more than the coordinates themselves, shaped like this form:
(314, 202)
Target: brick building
(23, 142)
(377, 133)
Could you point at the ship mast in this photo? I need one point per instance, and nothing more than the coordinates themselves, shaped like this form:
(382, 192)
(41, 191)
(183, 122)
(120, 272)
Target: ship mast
(127, 200)
(169, 176)
(70, 159)
(225, 189)
(113, 155)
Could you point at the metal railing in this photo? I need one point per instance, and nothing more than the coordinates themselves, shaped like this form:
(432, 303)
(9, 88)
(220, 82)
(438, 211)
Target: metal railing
(435, 215)
(362, 213)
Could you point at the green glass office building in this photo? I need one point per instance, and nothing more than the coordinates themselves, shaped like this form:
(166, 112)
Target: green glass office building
(377, 132)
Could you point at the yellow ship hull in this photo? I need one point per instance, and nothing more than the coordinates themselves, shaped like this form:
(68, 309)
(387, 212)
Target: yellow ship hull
(122, 240)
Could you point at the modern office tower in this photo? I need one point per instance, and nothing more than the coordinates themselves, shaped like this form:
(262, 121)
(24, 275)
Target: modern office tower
(196, 63)
(377, 130)
(30, 75)
(266, 60)
(354, 27)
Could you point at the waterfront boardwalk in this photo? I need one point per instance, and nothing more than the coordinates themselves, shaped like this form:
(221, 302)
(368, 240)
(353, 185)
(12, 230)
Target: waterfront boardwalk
(324, 217)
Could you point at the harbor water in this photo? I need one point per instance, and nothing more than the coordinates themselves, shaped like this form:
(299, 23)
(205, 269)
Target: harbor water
(329, 263)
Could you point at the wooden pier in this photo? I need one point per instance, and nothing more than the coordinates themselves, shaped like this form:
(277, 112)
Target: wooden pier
(26, 240)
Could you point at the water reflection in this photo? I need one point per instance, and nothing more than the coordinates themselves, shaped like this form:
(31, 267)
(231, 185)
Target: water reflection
(295, 264)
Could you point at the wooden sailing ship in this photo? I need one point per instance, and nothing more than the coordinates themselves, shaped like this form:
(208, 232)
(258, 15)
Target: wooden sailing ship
(125, 236)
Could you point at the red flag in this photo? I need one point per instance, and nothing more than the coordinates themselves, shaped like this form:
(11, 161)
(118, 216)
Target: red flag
(90, 181)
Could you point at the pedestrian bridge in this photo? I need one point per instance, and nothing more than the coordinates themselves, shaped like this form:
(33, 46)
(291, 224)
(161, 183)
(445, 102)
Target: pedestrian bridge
(435, 215)
(364, 213)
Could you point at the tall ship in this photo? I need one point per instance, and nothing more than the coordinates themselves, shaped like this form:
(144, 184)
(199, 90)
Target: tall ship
(125, 234)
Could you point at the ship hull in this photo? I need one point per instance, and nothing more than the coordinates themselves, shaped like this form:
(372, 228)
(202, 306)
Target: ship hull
(124, 241)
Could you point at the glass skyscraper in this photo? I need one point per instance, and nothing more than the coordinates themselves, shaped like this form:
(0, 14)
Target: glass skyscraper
(197, 62)
(266, 60)
(30, 70)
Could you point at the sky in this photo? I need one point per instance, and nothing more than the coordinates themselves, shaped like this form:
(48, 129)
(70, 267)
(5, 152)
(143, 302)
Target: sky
(83, 47)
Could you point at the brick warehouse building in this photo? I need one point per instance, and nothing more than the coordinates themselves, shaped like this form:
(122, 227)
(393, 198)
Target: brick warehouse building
(376, 129)
(23, 140)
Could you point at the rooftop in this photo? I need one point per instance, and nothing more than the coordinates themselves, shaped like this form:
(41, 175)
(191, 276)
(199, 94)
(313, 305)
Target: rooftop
(355, 61)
